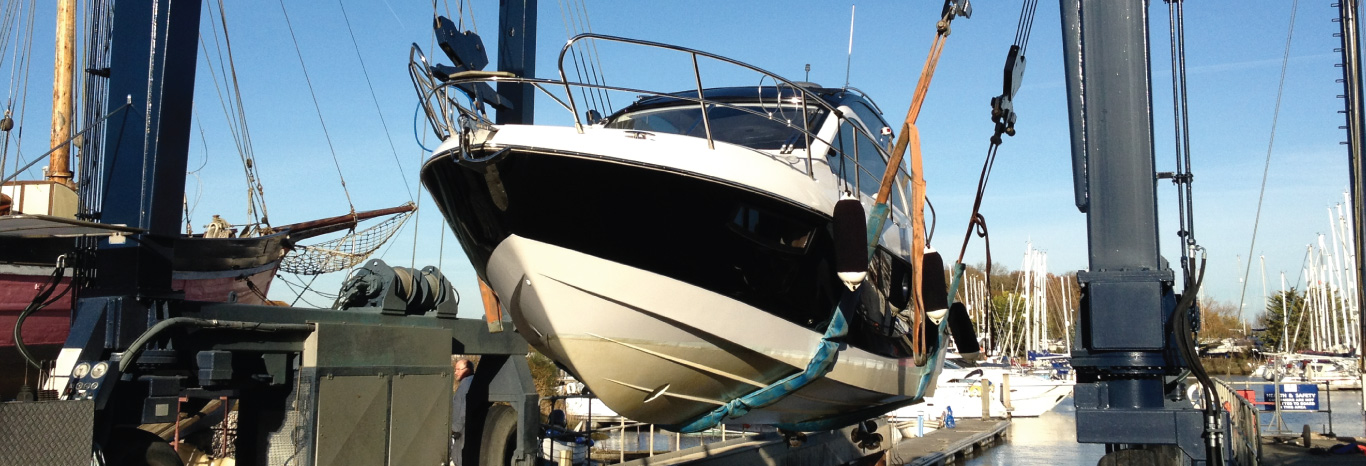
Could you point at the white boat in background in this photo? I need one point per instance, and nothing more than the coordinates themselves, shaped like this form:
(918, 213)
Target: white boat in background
(961, 388)
(1338, 372)
(678, 255)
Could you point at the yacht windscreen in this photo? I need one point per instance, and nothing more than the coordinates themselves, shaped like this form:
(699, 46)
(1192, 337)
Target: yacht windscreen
(782, 128)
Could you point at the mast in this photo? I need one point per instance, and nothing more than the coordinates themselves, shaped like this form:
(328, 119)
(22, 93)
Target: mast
(1285, 318)
(59, 162)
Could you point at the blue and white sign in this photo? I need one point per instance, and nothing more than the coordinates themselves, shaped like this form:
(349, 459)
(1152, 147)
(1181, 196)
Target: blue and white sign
(1294, 397)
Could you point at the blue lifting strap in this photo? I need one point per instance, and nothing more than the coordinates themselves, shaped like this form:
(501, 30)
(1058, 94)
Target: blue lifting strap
(820, 364)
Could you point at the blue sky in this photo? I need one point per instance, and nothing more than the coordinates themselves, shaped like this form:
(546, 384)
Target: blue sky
(1233, 57)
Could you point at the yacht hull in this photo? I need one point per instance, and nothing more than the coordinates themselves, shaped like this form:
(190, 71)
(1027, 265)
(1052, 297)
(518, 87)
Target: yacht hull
(663, 351)
(673, 278)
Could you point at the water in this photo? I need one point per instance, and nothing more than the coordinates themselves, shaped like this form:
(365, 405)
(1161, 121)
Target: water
(1051, 439)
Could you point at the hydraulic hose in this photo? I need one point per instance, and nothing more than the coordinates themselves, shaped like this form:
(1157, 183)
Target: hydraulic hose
(131, 354)
(39, 302)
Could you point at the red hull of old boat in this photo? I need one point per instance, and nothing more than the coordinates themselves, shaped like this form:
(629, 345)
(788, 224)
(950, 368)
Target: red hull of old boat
(47, 326)
(51, 324)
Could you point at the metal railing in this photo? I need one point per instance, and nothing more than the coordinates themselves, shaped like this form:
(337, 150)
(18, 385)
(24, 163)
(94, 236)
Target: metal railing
(644, 437)
(449, 117)
(1245, 425)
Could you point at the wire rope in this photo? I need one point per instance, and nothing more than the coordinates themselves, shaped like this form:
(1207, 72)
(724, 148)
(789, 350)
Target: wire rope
(254, 177)
(25, 61)
(423, 152)
(235, 113)
(290, 26)
(1266, 167)
(571, 27)
(594, 59)
(374, 98)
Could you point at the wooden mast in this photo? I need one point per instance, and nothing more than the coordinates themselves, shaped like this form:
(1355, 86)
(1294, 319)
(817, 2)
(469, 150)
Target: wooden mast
(59, 165)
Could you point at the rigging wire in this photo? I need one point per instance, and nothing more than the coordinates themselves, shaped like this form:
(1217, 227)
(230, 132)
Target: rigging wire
(16, 24)
(460, 10)
(422, 151)
(199, 182)
(1182, 177)
(595, 60)
(299, 294)
(306, 288)
(254, 179)
(235, 114)
(575, 18)
(25, 61)
(571, 29)
(316, 106)
(447, 4)
(1025, 25)
(356, 46)
(7, 26)
(977, 223)
(1266, 168)
(13, 11)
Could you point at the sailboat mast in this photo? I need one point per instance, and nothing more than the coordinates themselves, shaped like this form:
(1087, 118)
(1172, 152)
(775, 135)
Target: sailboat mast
(59, 162)
(1285, 318)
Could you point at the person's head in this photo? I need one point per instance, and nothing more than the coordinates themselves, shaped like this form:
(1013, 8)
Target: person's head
(463, 368)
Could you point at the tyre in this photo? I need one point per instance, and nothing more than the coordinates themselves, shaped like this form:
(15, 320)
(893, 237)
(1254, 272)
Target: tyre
(499, 440)
(137, 447)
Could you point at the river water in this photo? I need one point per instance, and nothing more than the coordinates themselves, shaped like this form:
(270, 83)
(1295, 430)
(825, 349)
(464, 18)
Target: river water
(1051, 439)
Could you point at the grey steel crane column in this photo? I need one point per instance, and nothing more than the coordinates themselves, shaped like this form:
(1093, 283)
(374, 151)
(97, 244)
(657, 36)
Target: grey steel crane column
(1356, 124)
(1124, 359)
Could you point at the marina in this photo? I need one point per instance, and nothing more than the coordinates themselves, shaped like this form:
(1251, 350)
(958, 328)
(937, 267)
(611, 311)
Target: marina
(673, 246)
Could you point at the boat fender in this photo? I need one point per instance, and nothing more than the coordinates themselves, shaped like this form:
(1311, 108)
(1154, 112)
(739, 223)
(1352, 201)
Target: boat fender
(933, 286)
(851, 231)
(960, 324)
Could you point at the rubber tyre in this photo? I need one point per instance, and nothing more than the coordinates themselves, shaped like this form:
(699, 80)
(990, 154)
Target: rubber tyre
(499, 441)
(137, 447)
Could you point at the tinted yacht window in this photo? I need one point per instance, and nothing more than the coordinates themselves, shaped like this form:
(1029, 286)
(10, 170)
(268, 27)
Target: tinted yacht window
(872, 164)
(862, 164)
(871, 119)
(780, 130)
(845, 144)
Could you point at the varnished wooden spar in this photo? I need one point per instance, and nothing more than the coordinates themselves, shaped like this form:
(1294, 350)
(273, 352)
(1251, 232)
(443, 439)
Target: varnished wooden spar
(324, 226)
(59, 161)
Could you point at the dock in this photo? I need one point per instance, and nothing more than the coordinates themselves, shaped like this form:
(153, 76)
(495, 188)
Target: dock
(1282, 450)
(949, 446)
(938, 447)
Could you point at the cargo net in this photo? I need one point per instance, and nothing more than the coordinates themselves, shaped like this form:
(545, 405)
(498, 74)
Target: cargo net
(342, 253)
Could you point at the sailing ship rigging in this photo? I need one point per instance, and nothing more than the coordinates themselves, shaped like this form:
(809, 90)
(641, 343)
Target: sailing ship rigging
(48, 228)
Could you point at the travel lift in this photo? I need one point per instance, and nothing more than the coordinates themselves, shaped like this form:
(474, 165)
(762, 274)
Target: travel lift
(1135, 343)
(370, 384)
(314, 382)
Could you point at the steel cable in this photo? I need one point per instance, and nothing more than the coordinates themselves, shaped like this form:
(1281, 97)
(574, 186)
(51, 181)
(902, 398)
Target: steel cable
(1266, 168)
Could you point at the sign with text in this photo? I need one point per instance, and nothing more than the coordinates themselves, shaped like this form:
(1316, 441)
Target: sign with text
(1294, 397)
